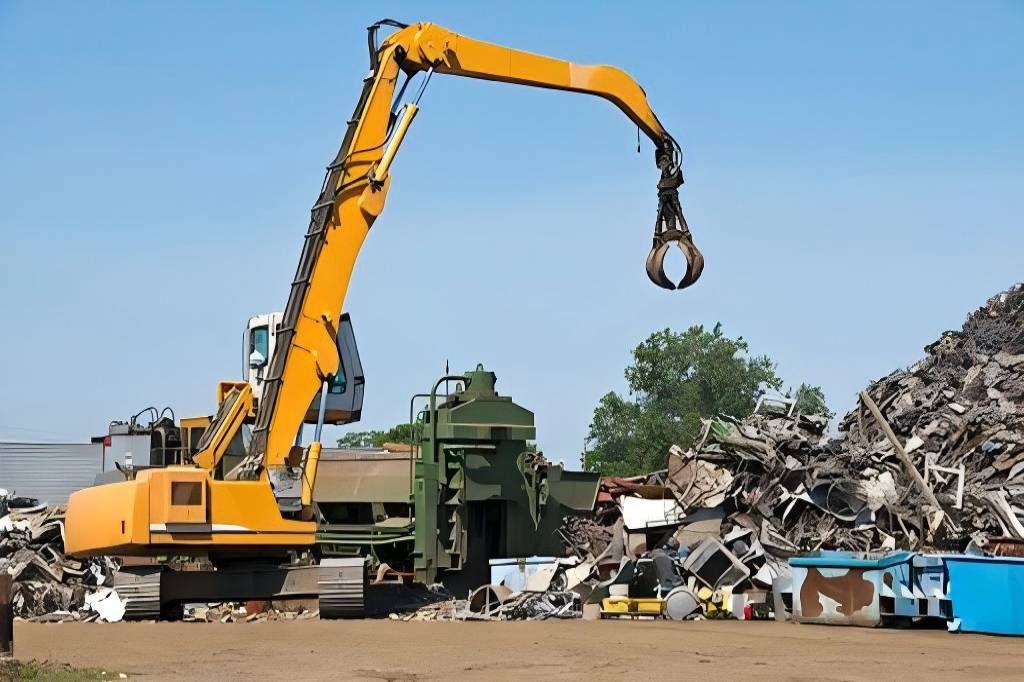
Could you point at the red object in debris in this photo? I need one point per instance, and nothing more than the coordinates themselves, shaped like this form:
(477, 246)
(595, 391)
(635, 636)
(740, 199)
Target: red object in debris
(256, 606)
(748, 612)
(614, 487)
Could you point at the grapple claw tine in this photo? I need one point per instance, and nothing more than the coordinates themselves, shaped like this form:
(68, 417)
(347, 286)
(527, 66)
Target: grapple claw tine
(694, 263)
(656, 266)
(656, 260)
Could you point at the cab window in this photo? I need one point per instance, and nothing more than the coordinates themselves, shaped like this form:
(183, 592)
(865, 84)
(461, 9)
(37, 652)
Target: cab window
(259, 340)
(337, 385)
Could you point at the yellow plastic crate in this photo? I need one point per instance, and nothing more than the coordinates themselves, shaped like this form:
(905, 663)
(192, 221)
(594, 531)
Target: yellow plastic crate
(621, 606)
(649, 606)
(616, 605)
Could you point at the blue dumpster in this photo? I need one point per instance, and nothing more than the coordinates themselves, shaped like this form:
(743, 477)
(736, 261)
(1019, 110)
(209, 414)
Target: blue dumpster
(987, 594)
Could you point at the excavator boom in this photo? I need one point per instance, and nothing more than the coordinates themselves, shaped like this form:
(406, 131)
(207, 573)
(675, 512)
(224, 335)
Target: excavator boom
(357, 183)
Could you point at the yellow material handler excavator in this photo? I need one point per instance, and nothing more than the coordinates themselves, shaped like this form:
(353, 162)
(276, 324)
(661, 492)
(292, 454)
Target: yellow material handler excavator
(262, 506)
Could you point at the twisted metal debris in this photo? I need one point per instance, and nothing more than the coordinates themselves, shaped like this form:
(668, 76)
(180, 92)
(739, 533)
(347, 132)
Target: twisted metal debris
(47, 584)
(961, 408)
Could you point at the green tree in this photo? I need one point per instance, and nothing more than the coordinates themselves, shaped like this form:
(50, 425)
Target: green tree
(399, 433)
(615, 446)
(374, 439)
(396, 434)
(811, 400)
(356, 439)
(674, 381)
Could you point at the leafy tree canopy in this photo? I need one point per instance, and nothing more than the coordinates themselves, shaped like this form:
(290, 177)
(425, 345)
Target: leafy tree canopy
(375, 439)
(397, 434)
(675, 380)
(811, 400)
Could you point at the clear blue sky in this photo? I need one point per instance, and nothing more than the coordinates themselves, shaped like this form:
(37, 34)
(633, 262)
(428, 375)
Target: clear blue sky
(854, 177)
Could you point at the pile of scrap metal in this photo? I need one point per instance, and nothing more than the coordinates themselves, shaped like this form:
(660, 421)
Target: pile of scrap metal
(493, 602)
(676, 540)
(533, 588)
(932, 458)
(958, 414)
(497, 602)
(245, 612)
(449, 609)
(46, 584)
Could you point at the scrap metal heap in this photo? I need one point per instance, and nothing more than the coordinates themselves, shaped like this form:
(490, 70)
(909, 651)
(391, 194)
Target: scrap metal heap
(940, 468)
(46, 584)
(245, 612)
(960, 409)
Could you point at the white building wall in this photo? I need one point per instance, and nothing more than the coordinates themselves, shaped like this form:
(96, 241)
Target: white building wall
(49, 471)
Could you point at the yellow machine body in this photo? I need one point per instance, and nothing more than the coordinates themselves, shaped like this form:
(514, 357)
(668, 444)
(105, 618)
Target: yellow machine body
(184, 509)
(179, 510)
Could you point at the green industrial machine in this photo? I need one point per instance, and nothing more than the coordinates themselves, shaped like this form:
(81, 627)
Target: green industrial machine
(469, 489)
(480, 492)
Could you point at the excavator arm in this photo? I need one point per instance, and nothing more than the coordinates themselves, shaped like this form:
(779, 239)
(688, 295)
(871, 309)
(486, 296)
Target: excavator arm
(357, 184)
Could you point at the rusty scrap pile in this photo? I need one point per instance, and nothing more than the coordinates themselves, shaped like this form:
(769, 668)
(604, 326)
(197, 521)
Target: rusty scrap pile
(588, 537)
(782, 478)
(47, 584)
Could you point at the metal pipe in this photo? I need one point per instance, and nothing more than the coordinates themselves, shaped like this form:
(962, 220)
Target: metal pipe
(423, 86)
(380, 171)
(908, 464)
(412, 445)
(433, 404)
(320, 415)
(6, 617)
(311, 458)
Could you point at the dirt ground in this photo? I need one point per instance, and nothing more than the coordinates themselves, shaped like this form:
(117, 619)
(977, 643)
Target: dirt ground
(565, 650)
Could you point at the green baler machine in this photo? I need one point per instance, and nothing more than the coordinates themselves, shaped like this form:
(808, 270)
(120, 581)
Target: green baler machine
(480, 492)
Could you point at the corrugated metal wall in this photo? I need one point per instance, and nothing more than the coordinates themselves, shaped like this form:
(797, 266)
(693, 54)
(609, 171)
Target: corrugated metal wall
(49, 471)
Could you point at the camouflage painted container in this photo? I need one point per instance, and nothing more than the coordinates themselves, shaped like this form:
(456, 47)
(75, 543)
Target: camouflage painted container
(849, 588)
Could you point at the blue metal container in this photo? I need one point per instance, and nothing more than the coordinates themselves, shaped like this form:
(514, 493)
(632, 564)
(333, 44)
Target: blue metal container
(987, 594)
